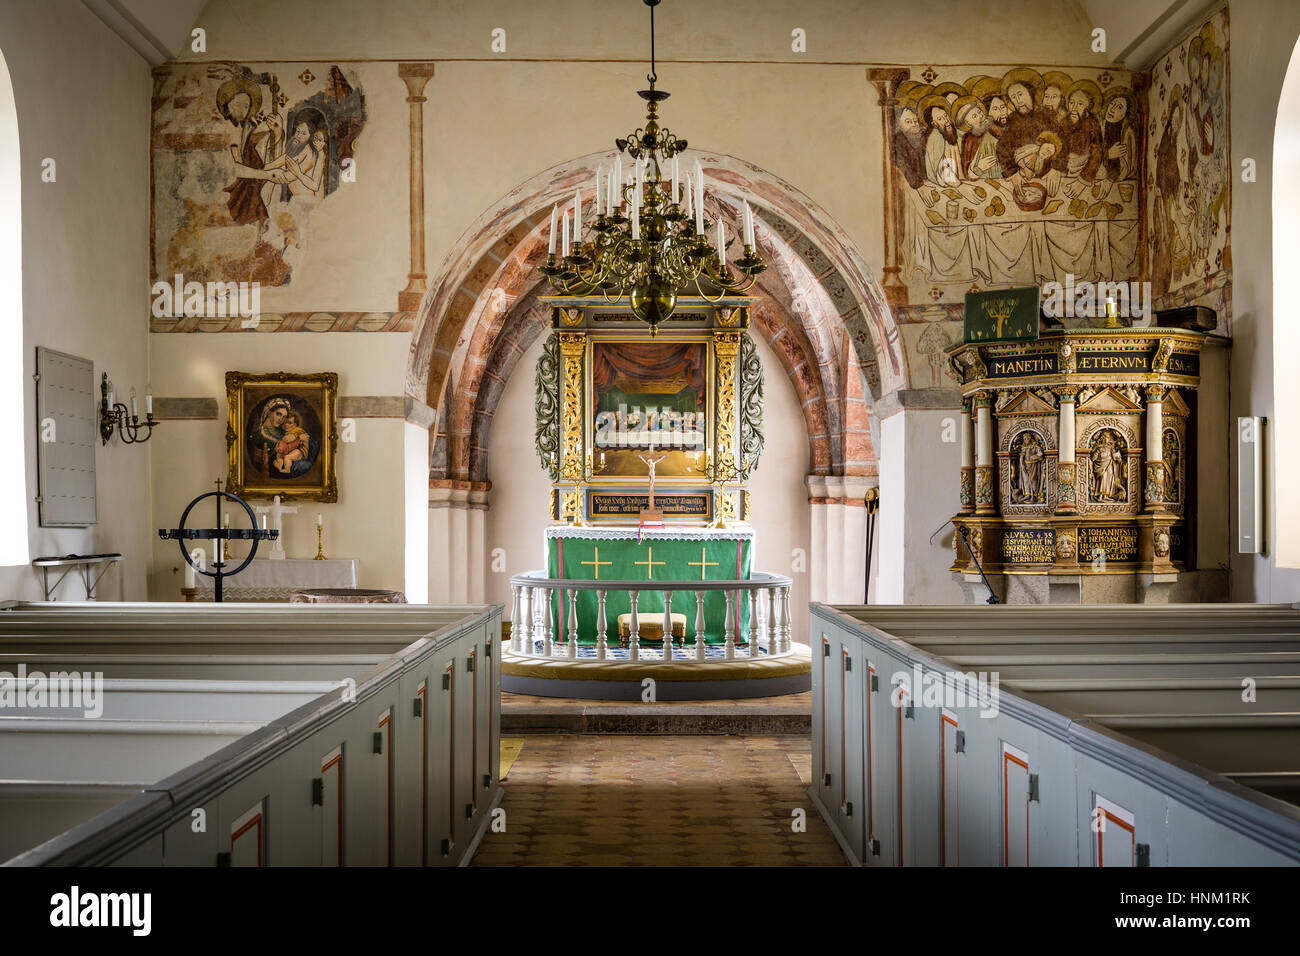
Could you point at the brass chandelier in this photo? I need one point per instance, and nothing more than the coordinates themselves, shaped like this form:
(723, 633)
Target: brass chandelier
(650, 237)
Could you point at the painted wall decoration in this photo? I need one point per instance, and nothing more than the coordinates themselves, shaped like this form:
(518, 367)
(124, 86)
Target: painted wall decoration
(1189, 193)
(1013, 177)
(241, 157)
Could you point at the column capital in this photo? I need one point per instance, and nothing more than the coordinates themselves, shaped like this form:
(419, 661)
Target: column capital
(982, 399)
(415, 76)
(1066, 394)
(1156, 393)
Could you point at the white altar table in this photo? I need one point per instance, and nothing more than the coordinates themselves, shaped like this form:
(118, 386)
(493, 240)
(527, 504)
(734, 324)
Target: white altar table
(267, 580)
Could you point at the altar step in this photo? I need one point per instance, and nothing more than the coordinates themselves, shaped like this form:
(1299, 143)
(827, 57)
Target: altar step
(756, 716)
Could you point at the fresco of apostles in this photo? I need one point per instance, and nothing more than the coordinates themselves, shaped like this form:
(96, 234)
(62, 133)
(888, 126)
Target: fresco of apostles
(239, 167)
(1187, 166)
(1055, 154)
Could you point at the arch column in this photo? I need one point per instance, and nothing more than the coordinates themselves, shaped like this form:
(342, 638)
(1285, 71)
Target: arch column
(837, 558)
(458, 541)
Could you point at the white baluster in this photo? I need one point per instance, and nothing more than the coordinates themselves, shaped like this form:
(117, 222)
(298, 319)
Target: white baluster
(699, 625)
(514, 616)
(634, 630)
(600, 625)
(753, 623)
(668, 625)
(520, 628)
(785, 620)
(773, 618)
(572, 636)
(730, 626)
(548, 624)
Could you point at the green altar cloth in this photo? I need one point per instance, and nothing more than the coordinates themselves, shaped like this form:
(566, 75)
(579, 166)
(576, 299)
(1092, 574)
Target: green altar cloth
(661, 555)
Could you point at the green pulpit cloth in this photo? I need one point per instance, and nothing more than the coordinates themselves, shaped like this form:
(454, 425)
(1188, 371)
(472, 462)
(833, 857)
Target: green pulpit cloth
(676, 555)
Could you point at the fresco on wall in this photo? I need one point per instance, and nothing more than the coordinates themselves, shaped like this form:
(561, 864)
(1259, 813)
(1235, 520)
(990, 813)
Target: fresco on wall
(1188, 189)
(1014, 178)
(241, 158)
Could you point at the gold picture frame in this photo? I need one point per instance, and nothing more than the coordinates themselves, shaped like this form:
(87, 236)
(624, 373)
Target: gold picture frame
(282, 435)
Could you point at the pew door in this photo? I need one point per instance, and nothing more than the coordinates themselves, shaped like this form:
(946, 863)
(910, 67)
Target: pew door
(382, 768)
(850, 676)
(870, 694)
(248, 837)
(330, 800)
(1015, 806)
(1114, 832)
(949, 802)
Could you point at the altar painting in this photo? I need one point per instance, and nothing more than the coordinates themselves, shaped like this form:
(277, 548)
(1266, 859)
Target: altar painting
(649, 400)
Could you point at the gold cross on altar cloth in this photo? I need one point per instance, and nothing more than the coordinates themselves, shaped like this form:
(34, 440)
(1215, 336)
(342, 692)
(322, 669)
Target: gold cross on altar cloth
(702, 564)
(650, 563)
(596, 563)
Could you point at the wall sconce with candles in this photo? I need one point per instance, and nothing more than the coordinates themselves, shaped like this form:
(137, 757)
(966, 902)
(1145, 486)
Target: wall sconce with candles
(113, 414)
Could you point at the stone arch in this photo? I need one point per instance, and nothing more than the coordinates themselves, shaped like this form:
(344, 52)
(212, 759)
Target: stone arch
(493, 267)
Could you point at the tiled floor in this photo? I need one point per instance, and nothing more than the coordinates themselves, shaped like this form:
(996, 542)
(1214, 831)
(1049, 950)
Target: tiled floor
(588, 800)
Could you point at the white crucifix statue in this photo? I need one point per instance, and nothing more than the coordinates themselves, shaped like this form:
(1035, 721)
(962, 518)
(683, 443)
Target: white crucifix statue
(650, 513)
(277, 512)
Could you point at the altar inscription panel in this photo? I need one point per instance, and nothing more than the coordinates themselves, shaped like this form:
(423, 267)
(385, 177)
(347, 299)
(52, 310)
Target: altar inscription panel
(1029, 545)
(1115, 543)
(675, 504)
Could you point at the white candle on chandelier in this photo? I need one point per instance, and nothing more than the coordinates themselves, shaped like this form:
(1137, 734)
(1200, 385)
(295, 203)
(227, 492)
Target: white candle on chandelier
(722, 246)
(564, 235)
(749, 225)
(636, 222)
(577, 216)
(597, 212)
(690, 206)
(699, 198)
(555, 213)
(676, 178)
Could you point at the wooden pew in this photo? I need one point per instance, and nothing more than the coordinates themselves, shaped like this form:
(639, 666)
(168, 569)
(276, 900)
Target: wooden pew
(1130, 715)
(395, 762)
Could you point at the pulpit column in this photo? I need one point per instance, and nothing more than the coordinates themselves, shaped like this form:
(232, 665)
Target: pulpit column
(1065, 472)
(984, 496)
(1154, 485)
(967, 459)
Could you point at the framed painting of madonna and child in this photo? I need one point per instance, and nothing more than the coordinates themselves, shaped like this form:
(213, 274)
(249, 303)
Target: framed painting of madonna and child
(281, 435)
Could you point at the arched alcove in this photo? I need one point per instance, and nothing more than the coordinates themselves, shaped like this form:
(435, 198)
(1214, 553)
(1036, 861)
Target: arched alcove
(13, 423)
(1285, 439)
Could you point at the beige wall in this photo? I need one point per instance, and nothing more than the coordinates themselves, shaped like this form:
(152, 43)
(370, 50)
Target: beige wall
(82, 98)
(367, 522)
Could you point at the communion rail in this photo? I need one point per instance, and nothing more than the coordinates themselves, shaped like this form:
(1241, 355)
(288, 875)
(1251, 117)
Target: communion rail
(533, 626)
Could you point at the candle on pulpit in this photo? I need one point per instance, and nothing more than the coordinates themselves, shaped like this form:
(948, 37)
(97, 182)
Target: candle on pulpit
(555, 212)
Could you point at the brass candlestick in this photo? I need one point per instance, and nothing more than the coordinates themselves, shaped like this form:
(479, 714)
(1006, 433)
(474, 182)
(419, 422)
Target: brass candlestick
(320, 554)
